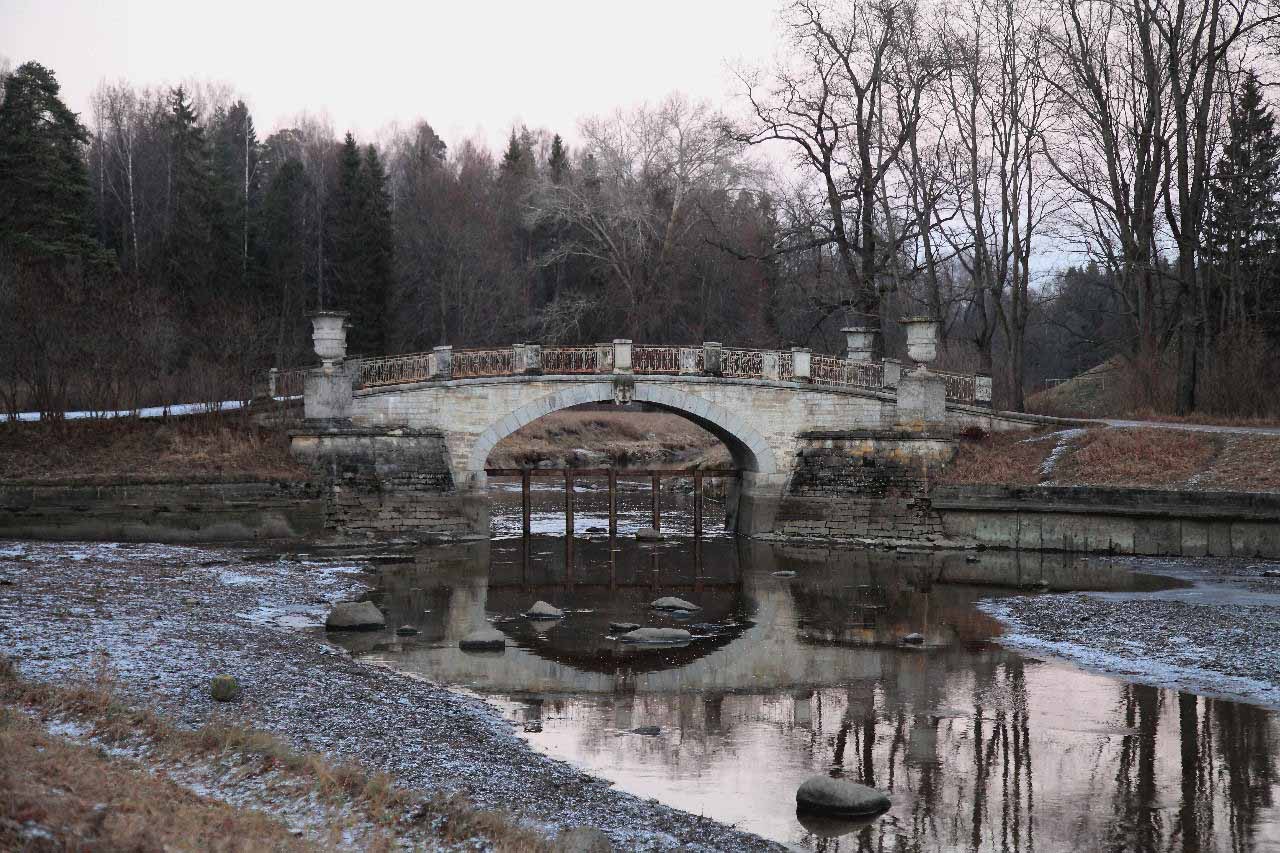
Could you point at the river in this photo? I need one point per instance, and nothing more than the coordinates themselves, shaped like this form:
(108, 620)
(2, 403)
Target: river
(788, 675)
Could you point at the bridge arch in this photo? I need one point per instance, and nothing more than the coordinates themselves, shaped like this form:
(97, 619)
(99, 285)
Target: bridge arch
(749, 449)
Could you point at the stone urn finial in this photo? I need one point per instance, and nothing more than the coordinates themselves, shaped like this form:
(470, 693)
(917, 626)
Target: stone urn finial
(860, 343)
(329, 336)
(922, 339)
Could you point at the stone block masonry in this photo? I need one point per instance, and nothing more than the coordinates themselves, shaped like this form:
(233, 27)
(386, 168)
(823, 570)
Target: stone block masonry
(172, 511)
(863, 484)
(396, 482)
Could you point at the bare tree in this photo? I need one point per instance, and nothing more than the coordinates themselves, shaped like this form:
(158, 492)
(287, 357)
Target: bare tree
(848, 102)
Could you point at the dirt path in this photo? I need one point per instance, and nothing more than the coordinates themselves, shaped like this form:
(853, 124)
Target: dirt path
(1215, 428)
(163, 620)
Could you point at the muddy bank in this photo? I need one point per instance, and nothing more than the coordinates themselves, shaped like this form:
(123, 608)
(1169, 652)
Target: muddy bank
(162, 620)
(1217, 637)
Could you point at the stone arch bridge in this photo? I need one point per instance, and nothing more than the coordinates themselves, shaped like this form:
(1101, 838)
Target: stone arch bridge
(404, 439)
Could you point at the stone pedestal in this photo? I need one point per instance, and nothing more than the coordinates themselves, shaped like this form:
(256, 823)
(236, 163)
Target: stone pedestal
(922, 402)
(327, 394)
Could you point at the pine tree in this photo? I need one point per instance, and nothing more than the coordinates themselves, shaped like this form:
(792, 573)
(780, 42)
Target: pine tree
(1243, 233)
(377, 256)
(557, 160)
(44, 183)
(189, 257)
(344, 231)
(280, 257)
(236, 159)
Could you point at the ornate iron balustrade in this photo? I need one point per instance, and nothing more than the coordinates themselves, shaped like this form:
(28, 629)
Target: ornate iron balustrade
(839, 372)
(477, 363)
(961, 387)
(655, 359)
(742, 363)
(289, 382)
(571, 359)
(394, 370)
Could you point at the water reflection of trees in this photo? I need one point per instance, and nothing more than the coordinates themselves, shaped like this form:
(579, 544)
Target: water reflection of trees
(981, 749)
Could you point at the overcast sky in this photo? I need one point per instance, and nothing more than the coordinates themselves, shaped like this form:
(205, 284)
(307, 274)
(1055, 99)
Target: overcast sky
(469, 68)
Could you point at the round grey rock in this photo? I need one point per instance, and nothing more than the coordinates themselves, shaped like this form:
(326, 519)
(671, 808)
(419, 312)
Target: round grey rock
(483, 640)
(582, 839)
(657, 636)
(824, 795)
(914, 639)
(648, 534)
(623, 627)
(355, 616)
(670, 602)
(543, 610)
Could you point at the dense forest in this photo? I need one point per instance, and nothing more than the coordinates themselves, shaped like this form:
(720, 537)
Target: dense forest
(1061, 182)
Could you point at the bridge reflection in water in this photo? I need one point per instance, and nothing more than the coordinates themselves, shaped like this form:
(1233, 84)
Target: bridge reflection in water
(980, 748)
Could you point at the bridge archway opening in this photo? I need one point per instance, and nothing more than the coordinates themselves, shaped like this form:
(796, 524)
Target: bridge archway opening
(747, 449)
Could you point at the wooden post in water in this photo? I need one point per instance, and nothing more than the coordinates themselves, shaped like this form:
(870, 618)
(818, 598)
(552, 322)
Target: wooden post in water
(697, 504)
(525, 506)
(613, 506)
(656, 488)
(568, 523)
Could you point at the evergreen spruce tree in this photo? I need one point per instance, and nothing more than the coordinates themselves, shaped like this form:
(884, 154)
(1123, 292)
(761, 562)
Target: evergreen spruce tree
(236, 175)
(345, 233)
(557, 160)
(377, 256)
(44, 183)
(1243, 233)
(190, 262)
(280, 258)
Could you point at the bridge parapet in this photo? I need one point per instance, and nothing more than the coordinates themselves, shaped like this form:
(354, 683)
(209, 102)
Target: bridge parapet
(710, 359)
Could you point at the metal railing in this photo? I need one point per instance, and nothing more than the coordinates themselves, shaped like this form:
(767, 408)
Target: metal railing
(961, 387)
(477, 363)
(394, 370)
(735, 363)
(571, 360)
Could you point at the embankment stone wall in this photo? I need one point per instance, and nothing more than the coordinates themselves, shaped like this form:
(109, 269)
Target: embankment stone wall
(390, 483)
(1112, 520)
(863, 484)
(162, 512)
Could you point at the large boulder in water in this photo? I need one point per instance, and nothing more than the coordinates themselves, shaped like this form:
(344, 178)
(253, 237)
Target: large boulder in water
(483, 640)
(827, 796)
(657, 636)
(355, 616)
(648, 534)
(670, 602)
(542, 610)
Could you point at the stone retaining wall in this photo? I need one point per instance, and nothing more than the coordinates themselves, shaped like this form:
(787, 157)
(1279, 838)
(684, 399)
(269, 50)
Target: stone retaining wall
(1112, 520)
(390, 483)
(863, 484)
(162, 512)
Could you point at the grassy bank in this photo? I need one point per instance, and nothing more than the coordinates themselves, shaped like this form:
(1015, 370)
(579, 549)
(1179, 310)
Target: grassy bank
(209, 447)
(1104, 456)
(112, 785)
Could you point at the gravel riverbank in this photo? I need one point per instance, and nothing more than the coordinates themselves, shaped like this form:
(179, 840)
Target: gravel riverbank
(162, 620)
(1218, 637)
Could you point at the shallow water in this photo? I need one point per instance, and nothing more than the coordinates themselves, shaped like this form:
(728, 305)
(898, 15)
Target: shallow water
(980, 748)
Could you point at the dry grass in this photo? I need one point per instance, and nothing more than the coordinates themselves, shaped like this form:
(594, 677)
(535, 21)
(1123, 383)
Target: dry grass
(201, 447)
(625, 438)
(1246, 463)
(86, 800)
(1153, 458)
(999, 459)
(60, 788)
